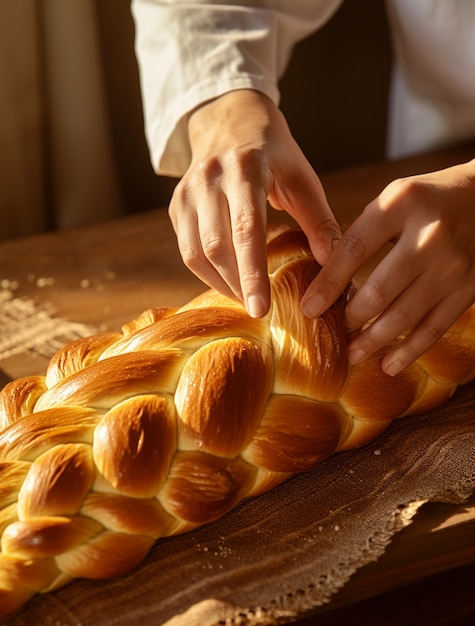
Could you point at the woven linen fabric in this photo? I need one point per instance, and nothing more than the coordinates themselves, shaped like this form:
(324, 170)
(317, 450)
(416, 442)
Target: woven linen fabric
(26, 327)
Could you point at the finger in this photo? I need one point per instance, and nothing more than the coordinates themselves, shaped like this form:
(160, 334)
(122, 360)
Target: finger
(391, 277)
(248, 213)
(348, 256)
(421, 311)
(431, 328)
(401, 316)
(184, 219)
(367, 235)
(216, 240)
(412, 261)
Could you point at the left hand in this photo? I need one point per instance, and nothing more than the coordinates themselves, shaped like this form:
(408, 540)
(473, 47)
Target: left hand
(427, 279)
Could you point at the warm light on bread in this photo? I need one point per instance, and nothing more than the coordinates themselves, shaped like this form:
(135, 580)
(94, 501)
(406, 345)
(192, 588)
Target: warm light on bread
(169, 424)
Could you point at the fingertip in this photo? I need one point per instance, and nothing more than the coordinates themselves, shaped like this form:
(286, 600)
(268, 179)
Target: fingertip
(356, 355)
(392, 368)
(394, 363)
(313, 305)
(256, 306)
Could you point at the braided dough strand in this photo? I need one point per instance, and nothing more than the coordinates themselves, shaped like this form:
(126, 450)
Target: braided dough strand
(169, 424)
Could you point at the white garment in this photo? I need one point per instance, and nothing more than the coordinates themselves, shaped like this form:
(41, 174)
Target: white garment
(191, 51)
(433, 86)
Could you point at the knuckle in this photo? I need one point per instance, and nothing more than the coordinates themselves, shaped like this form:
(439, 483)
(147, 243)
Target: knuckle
(252, 275)
(245, 227)
(250, 280)
(431, 333)
(180, 197)
(404, 188)
(376, 294)
(213, 246)
(246, 160)
(208, 169)
(403, 193)
(353, 245)
(462, 262)
(402, 318)
(420, 340)
(202, 173)
(248, 167)
(331, 225)
(191, 257)
(458, 265)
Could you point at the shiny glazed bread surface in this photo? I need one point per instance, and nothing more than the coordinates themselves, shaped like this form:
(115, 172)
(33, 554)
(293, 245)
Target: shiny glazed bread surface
(169, 424)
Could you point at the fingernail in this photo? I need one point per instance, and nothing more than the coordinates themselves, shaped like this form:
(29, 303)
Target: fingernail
(356, 355)
(255, 306)
(393, 368)
(314, 306)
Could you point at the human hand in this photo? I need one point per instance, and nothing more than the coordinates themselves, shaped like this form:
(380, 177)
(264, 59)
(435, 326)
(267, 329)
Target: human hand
(243, 154)
(427, 279)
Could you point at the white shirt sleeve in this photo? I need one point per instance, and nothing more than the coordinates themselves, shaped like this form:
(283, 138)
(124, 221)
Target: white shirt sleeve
(190, 52)
(432, 101)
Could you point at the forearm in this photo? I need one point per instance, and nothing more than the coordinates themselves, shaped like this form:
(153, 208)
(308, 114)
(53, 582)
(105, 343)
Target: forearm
(191, 52)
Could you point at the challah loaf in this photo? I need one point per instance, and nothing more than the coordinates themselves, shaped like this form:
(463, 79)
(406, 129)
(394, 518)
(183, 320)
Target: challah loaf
(170, 423)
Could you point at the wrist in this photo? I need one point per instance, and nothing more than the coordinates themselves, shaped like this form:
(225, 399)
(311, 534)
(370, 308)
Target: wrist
(225, 113)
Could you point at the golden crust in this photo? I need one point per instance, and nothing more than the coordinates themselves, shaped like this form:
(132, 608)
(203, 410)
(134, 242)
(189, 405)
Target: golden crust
(134, 444)
(371, 395)
(148, 317)
(13, 474)
(218, 402)
(18, 398)
(128, 515)
(36, 433)
(202, 487)
(46, 490)
(77, 355)
(106, 555)
(295, 434)
(48, 536)
(170, 423)
(112, 380)
(310, 354)
(191, 329)
(21, 578)
(451, 360)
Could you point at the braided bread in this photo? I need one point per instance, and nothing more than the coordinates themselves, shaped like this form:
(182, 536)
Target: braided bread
(149, 432)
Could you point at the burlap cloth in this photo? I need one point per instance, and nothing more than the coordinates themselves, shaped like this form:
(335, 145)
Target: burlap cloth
(280, 553)
(24, 328)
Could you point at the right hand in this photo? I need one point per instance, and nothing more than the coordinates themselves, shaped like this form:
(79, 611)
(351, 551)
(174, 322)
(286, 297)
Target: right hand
(243, 154)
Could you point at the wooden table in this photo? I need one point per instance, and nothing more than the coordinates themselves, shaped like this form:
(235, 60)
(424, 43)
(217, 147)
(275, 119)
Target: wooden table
(105, 275)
